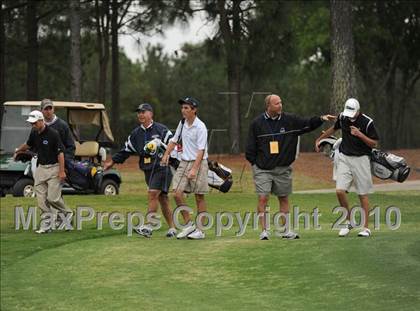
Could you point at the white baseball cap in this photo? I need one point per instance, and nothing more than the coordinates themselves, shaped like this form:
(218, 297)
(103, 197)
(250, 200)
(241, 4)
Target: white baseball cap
(34, 116)
(351, 107)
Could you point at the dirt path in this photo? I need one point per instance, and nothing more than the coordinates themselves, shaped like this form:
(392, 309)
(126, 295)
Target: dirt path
(395, 186)
(313, 165)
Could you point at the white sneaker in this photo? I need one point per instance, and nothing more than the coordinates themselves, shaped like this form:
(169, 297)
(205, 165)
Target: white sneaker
(43, 230)
(145, 231)
(265, 235)
(290, 235)
(171, 233)
(365, 233)
(184, 233)
(346, 230)
(196, 235)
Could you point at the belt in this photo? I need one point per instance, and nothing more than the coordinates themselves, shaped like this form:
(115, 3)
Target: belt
(48, 165)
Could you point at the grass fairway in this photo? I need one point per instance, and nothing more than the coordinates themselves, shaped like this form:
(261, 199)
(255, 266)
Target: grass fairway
(106, 270)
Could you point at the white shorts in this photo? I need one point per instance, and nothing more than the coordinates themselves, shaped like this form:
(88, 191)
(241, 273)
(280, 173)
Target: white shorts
(354, 170)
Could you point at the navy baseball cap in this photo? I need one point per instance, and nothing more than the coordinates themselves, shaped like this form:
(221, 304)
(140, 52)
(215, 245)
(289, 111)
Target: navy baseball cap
(189, 101)
(144, 107)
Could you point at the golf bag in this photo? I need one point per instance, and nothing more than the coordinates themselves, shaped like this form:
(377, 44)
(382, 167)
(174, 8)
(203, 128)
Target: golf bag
(219, 176)
(83, 175)
(389, 166)
(383, 165)
(156, 146)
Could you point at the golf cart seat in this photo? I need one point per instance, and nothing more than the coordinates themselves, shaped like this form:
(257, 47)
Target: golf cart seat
(91, 150)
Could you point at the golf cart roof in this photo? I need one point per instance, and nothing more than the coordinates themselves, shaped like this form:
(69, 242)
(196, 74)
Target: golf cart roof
(58, 104)
(78, 114)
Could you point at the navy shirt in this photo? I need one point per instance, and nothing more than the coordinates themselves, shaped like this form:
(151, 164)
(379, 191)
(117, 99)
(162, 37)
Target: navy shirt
(46, 144)
(135, 143)
(352, 145)
(258, 147)
(63, 129)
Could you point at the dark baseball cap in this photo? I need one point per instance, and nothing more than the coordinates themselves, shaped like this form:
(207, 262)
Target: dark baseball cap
(189, 101)
(46, 103)
(144, 107)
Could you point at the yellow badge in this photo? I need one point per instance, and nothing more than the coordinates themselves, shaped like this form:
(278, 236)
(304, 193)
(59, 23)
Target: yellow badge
(274, 147)
(147, 160)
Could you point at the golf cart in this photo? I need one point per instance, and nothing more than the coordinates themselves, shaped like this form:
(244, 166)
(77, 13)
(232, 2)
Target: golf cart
(89, 125)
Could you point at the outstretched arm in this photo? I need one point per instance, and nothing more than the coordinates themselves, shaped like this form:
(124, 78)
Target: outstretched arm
(306, 125)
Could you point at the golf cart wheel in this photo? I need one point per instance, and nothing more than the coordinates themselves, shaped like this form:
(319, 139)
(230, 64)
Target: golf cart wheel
(109, 187)
(24, 188)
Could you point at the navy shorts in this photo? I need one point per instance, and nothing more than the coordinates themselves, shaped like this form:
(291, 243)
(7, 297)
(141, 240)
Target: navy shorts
(159, 178)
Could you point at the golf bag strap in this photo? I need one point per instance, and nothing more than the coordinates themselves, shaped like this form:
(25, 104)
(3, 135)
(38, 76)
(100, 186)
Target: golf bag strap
(179, 141)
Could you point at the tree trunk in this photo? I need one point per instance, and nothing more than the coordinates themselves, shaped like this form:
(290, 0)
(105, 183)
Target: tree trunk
(388, 103)
(115, 108)
(32, 51)
(235, 80)
(232, 40)
(342, 52)
(76, 67)
(2, 62)
(102, 32)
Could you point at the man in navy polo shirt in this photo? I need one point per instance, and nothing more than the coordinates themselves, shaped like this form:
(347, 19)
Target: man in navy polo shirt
(50, 171)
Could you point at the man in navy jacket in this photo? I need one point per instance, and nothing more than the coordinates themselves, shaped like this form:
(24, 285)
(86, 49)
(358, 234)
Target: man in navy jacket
(271, 149)
(158, 178)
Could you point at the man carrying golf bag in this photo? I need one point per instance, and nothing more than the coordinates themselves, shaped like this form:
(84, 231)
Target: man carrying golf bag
(359, 136)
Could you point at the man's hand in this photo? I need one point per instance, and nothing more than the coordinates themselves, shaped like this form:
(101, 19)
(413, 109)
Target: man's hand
(317, 145)
(192, 173)
(328, 117)
(355, 131)
(15, 154)
(62, 175)
(108, 165)
(165, 160)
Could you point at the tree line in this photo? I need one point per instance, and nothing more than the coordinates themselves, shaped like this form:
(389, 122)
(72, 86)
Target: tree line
(314, 54)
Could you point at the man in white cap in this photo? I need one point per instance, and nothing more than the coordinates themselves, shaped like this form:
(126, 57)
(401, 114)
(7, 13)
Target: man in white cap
(50, 171)
(353, 166)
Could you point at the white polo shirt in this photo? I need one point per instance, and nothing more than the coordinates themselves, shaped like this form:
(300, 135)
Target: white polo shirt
(194, 138)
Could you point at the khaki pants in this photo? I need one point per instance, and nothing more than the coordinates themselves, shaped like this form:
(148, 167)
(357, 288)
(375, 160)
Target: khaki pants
(354, 170)
(198, 185)
(277, 181)
(48, 190)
